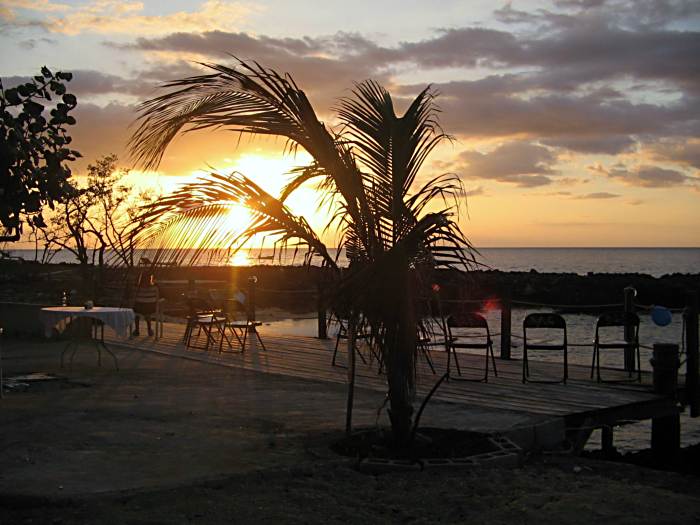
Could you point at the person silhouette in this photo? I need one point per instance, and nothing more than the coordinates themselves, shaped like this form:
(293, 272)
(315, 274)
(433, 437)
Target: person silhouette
(146, 301)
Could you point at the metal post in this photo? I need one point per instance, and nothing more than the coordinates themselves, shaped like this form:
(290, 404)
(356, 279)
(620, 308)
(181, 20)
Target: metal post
(691, 348)
(629, 295)
(250, 302)
(321, 309)
(352, 329)
(2, 394)
(666, 430)
(607, 441)
(505, 327)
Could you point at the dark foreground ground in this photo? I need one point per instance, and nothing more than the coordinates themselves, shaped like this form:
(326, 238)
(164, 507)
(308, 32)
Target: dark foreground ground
(543, 491)
(170, 441)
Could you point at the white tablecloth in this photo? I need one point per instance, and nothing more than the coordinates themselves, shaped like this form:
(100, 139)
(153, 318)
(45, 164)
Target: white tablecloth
(120, 319)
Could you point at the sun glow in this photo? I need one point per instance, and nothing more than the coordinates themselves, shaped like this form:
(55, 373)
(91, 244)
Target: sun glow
(238, 218)
(272, 175)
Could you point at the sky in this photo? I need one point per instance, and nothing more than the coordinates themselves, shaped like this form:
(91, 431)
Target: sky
(575, 122)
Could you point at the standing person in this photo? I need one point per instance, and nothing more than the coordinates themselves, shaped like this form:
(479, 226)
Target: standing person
(146, 302)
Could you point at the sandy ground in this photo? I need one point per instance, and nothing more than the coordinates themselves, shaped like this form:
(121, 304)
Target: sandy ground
(167, 440)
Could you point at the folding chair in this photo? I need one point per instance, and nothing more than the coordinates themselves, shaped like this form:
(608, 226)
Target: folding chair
(237, 328)
(548, 321)
(473, 321)
(343, 334)
(622, 320)
(204, 318)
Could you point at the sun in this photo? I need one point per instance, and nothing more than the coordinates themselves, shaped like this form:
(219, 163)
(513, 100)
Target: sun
(238, 218)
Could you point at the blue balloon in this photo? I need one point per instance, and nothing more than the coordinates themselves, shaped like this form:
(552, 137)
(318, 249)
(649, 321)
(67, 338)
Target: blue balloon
(661, 315)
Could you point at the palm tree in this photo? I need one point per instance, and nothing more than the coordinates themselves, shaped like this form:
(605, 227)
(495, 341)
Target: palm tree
(367, 167)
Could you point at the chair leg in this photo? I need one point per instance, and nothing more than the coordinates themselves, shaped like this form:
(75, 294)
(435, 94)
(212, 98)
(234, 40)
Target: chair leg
(639, 365)
(593, 362)
(525, 368)
(493, 361)
(459, 370)
(428, 359)
(260, 340)
(486, 368)
(335, 352)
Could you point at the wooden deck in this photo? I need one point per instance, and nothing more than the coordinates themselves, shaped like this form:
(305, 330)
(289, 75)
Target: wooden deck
(582, 401)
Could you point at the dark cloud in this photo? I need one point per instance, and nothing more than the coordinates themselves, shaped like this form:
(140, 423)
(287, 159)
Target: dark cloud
(563, 79)
(324, 67)
(560, 88)
(31, 43)
(486, 108)
(479, 190)
(101, 131)
(682, 152)
(87, 83)
(646, 176)
(656, 177)
(519, 163)
(610, 145)
(597, 195)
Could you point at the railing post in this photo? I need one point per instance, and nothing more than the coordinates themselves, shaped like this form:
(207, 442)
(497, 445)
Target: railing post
(352, 329)
(629, 294)
(321, 311)
(505, 327)
(2, 394)
(666, 430)
(692, 388)
(250, 301)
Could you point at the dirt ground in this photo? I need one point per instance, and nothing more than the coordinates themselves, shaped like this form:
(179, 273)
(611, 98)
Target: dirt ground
(170, 441)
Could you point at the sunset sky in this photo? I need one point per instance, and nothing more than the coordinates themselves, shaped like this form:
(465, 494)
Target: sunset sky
(576, 122)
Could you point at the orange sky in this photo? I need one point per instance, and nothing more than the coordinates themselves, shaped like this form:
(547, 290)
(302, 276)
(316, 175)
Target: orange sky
(575, 123)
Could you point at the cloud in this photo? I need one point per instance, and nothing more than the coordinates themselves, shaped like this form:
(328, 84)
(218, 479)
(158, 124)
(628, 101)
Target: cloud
(594, 144)
(478, 191)
(324, 67)
(117, 17)
(645, 176)
(523, 164)
(683, 152)
(45, 6)
(570, 81)
(31, 43)
(597, 196)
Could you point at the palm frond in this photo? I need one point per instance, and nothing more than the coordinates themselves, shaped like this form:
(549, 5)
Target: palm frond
(392, 149)
(194, 221)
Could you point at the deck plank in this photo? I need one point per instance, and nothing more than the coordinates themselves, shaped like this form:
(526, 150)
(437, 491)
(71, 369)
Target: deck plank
(310, 358)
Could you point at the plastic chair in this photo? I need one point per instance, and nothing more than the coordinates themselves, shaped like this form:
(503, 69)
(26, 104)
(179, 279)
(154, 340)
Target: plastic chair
(622, 320)
(473, 321)
(549, 321)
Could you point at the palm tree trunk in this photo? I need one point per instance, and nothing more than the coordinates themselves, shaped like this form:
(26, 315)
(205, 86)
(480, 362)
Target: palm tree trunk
(400, 345)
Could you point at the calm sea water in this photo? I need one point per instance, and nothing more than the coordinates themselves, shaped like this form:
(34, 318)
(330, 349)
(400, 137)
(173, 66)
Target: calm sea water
(652, 261)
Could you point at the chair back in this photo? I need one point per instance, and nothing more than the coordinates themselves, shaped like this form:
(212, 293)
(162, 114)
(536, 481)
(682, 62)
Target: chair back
(196, 305)
(544, 320)
(467, 320)
(618, 319)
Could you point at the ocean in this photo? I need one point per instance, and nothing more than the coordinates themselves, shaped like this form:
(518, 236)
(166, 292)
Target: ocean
(652, 261)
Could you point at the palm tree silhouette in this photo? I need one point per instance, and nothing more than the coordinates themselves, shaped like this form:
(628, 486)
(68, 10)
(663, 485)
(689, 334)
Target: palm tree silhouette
(393, 232)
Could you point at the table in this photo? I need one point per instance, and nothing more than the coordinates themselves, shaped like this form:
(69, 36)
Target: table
(120, 319)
